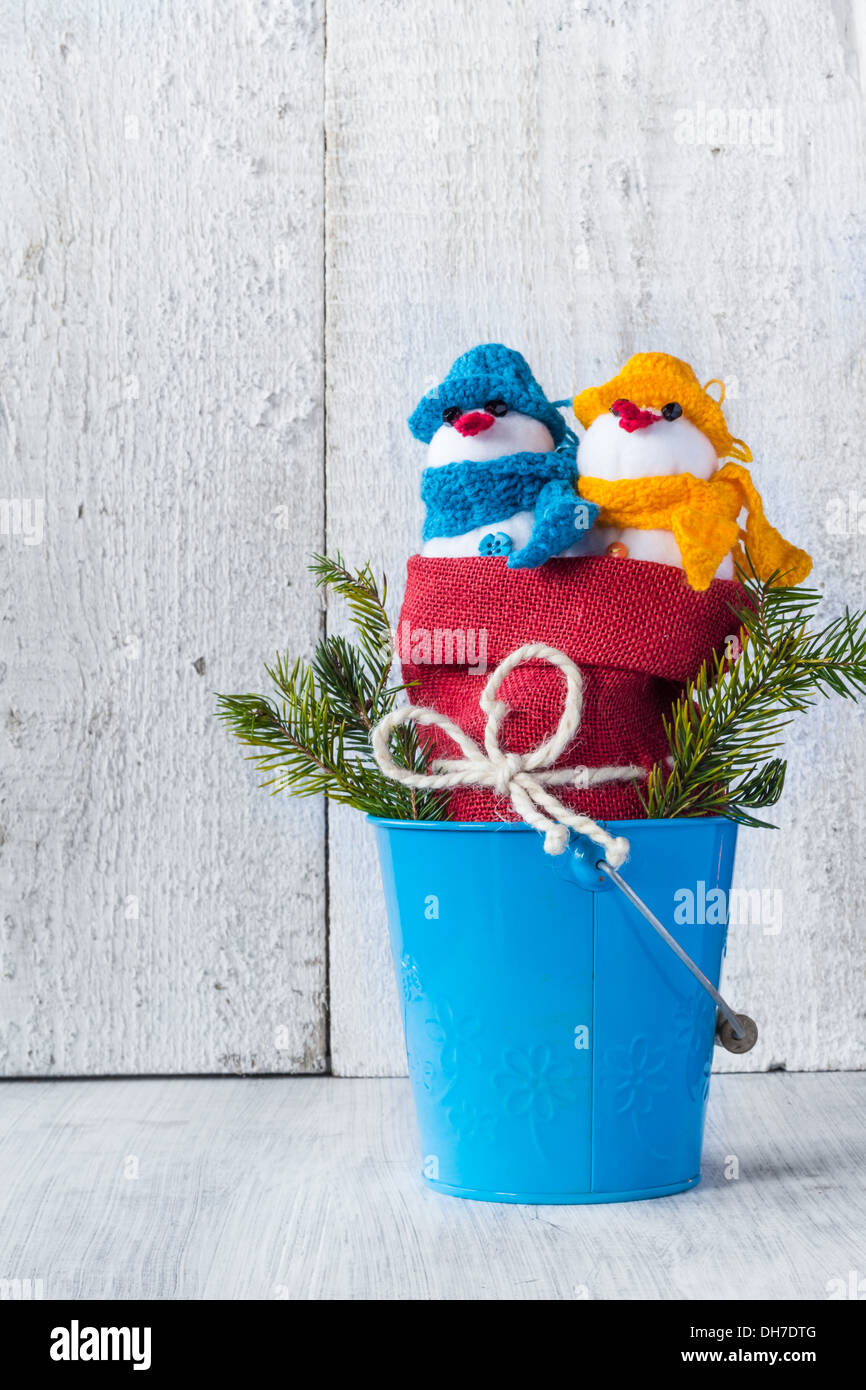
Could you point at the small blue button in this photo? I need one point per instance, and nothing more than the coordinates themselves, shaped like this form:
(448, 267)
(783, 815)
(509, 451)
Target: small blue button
(498, 544)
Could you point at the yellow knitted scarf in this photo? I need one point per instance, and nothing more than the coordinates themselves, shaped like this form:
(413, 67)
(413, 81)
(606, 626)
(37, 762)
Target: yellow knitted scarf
(703, 518)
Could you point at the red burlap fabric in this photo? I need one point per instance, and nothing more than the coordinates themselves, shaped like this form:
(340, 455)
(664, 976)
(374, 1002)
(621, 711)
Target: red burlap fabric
(635, 629)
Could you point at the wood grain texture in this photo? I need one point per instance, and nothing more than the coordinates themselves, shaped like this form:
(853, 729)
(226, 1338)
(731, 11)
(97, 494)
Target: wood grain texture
(162, 391)
(534, 171)
(584, 182)
(307, 1188)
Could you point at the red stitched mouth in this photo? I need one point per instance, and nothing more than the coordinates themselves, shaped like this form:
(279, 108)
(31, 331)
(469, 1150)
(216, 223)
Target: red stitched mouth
(631, 418)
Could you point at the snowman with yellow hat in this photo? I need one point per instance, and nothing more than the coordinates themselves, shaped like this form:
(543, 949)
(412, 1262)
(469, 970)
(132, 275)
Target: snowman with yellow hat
(651, 460)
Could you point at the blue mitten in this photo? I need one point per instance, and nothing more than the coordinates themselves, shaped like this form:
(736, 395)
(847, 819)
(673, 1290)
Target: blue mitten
(561, 517)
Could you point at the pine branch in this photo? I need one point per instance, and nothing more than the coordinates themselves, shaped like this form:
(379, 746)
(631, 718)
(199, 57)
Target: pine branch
(366, 605)
(311, 735)
(726, 728)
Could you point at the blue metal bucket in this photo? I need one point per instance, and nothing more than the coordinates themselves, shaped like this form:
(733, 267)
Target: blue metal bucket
(558, 1050)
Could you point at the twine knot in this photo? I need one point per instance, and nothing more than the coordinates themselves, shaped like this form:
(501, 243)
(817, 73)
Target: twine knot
(522, 777)
(504, 768)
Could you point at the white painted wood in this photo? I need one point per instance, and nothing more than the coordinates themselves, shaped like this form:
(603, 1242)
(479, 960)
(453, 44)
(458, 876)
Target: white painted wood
(161, 226)
(538, 172)
(584, 182)
(308, 1188)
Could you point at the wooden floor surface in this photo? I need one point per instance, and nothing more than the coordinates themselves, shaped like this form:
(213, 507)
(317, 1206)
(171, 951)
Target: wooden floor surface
(306, 1188)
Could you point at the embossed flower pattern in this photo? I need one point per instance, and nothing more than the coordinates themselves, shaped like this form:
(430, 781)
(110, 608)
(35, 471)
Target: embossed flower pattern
(410, 980)
(471, 1123)
(695, 1026)
(457, 1037)
(422, 1069)
(638, 1074)
(536, 1083)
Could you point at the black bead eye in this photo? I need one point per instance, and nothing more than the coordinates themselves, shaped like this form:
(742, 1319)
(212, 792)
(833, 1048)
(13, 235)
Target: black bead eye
(672, 411)
(496, 407)
(451, 414)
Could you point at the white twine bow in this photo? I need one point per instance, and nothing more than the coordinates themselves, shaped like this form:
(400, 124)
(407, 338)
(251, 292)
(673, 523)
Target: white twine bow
(520, 776)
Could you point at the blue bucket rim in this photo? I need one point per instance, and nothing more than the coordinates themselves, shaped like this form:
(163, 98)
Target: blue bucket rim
(393, 823)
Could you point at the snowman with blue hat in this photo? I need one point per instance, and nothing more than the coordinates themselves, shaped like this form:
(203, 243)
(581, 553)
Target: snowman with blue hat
(502, 467)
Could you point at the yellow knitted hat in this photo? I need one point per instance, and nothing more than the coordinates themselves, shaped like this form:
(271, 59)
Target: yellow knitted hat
(656, 379)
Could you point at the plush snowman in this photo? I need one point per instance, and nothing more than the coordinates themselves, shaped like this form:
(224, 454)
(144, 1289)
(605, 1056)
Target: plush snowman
(630, 441)
(651, 460)
(502, 468)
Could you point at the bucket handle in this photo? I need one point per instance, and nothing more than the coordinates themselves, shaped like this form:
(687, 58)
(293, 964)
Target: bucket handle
(736, 1032)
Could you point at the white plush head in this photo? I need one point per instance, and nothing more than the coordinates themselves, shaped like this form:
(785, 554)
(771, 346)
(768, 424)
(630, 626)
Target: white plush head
(657, 449)
(478, 435)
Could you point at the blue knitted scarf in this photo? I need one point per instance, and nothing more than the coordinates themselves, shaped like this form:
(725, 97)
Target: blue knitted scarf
(461, 496)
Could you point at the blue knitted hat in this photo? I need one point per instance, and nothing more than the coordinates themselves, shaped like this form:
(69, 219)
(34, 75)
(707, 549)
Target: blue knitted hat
(483, 374)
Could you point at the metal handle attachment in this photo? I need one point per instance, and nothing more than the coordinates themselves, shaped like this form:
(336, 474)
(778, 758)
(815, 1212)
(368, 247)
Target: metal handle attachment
(736, 1032)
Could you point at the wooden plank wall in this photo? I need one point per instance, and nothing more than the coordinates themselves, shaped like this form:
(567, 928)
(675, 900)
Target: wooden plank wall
(162, 388)
(239, 242)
